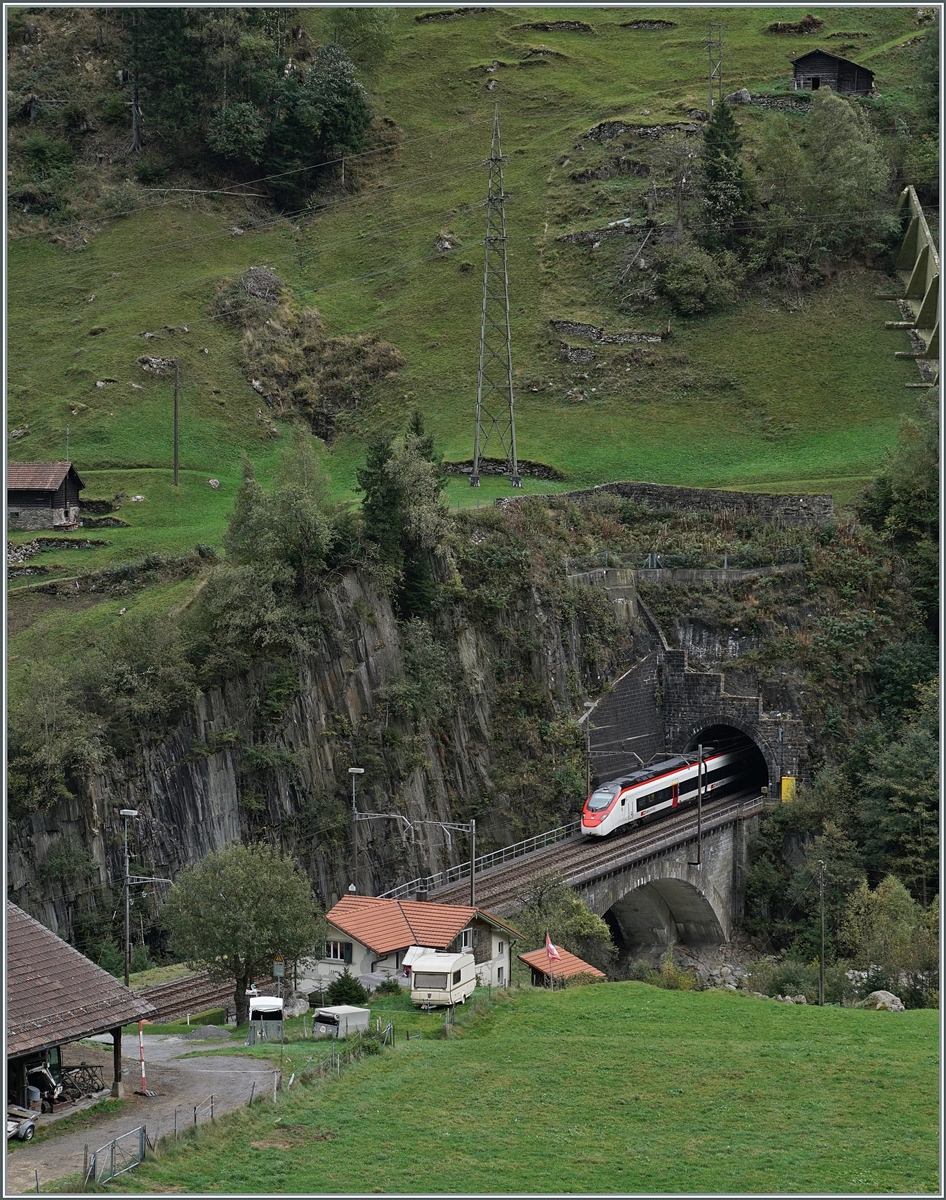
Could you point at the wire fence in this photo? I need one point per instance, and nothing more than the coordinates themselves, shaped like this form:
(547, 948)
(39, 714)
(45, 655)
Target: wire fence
(116, 1157)
(739, 558)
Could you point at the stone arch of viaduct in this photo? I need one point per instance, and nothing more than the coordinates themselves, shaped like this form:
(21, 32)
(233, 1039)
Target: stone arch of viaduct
(670, 898)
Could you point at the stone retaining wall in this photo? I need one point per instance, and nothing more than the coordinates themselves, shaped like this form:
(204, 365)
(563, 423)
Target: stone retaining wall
(768, 506)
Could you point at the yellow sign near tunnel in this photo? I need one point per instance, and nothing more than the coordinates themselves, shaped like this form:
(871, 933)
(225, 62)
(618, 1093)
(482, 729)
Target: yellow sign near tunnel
(788, 787)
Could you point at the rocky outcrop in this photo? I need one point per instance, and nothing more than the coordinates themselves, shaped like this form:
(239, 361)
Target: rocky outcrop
(266, 756)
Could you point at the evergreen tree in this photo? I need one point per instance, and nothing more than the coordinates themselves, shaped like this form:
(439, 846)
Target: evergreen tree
(903, 503)
(346, 989)
(726, 198)
(382, 508)
(403, 514)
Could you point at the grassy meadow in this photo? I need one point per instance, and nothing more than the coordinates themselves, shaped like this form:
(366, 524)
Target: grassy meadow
(620, 1088)
(773, 394)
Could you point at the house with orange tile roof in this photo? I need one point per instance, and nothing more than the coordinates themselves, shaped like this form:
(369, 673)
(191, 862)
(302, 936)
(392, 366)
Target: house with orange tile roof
(373, 938)
(565, 967)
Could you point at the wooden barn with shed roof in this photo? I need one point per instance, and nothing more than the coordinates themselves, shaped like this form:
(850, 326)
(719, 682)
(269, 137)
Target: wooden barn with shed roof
(821, 68)
(42, 495)
(55, 995)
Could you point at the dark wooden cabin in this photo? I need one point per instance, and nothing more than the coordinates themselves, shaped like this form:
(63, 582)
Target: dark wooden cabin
(819, 68)
(42, 495)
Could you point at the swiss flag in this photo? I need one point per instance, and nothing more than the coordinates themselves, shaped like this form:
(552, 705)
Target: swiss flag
(550, 949)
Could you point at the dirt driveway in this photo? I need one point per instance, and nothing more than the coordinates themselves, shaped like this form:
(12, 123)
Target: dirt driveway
(180, 1083)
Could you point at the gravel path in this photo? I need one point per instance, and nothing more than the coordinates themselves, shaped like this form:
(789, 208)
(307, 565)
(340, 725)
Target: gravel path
(180, 1083)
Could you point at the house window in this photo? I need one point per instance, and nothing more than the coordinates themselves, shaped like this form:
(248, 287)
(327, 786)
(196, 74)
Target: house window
(500, 950)
(499, 974)
(466, 939)
(338, 951)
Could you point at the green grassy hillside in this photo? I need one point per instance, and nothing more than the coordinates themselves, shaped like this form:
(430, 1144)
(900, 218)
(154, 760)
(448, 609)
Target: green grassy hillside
(771, 395)
(616, 1088)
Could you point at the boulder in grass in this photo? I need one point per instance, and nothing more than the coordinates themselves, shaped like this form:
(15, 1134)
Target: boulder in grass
(883, 1001)
(295, 1005)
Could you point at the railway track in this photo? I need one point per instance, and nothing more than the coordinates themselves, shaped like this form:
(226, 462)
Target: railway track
(581, 859)
(192, 994)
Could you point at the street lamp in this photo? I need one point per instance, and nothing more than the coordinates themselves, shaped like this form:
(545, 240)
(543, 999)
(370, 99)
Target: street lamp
(353, 772)
(126, 813)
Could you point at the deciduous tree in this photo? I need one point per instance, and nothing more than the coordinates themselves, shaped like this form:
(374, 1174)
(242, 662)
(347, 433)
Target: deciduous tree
(236, 910)
(549, 905)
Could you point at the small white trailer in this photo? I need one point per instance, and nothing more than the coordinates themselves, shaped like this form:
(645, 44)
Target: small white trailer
(339, 1020)
(439, 979)
(266, 1016)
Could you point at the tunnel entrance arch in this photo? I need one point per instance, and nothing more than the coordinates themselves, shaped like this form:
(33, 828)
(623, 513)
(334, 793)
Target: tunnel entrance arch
(762, 768)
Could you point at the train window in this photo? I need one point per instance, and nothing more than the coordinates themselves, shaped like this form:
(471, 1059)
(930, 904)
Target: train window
(654, 798)
(602, 796)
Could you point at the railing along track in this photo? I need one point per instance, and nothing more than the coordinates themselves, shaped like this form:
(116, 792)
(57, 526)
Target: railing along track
(582, 860)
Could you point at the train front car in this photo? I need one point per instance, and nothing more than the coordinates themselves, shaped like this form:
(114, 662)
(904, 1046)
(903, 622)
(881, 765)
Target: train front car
(603, 812)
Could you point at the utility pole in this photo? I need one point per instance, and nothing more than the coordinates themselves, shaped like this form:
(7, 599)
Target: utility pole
(588, 707)
(494, 394)
(715, 45)
(821, 957)
(126, 813)
(177, 391)
(472, 862)
(353, 772)
(699, 803)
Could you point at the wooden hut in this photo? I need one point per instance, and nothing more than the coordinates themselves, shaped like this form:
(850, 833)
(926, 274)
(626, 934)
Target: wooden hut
(820, 68)
(42, 495)
(566, 966)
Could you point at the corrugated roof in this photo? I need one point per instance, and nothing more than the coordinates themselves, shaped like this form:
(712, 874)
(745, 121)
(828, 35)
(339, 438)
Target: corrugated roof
(386, 925)
(38, 476)
(55, 994)
(564, 968)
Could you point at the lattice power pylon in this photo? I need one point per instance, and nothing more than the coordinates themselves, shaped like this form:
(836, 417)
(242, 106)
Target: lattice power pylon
(715, 44)
(494, 396)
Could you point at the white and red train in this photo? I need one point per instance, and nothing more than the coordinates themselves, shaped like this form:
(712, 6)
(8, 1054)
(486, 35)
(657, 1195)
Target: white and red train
(665, 785)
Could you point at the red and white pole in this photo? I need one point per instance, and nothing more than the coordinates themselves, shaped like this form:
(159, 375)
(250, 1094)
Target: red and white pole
(141, 1051)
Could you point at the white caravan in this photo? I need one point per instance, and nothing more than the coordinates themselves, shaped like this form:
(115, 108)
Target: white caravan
(439, 979)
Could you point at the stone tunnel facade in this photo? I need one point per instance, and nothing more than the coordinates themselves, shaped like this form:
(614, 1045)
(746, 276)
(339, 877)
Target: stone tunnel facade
(661, 706)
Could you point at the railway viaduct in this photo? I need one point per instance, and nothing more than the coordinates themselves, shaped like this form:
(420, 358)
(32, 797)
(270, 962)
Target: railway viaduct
(676, 880)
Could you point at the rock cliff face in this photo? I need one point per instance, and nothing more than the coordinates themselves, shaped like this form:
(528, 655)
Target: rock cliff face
(266, 755)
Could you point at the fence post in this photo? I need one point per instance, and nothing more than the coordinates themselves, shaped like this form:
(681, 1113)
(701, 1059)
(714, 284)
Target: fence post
(275, 1074)
(85, 1162)
(111, 1172)
(195, 1116)
(211, 1108)
(37, 1178)
(252, 1093)
(175, 1124)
